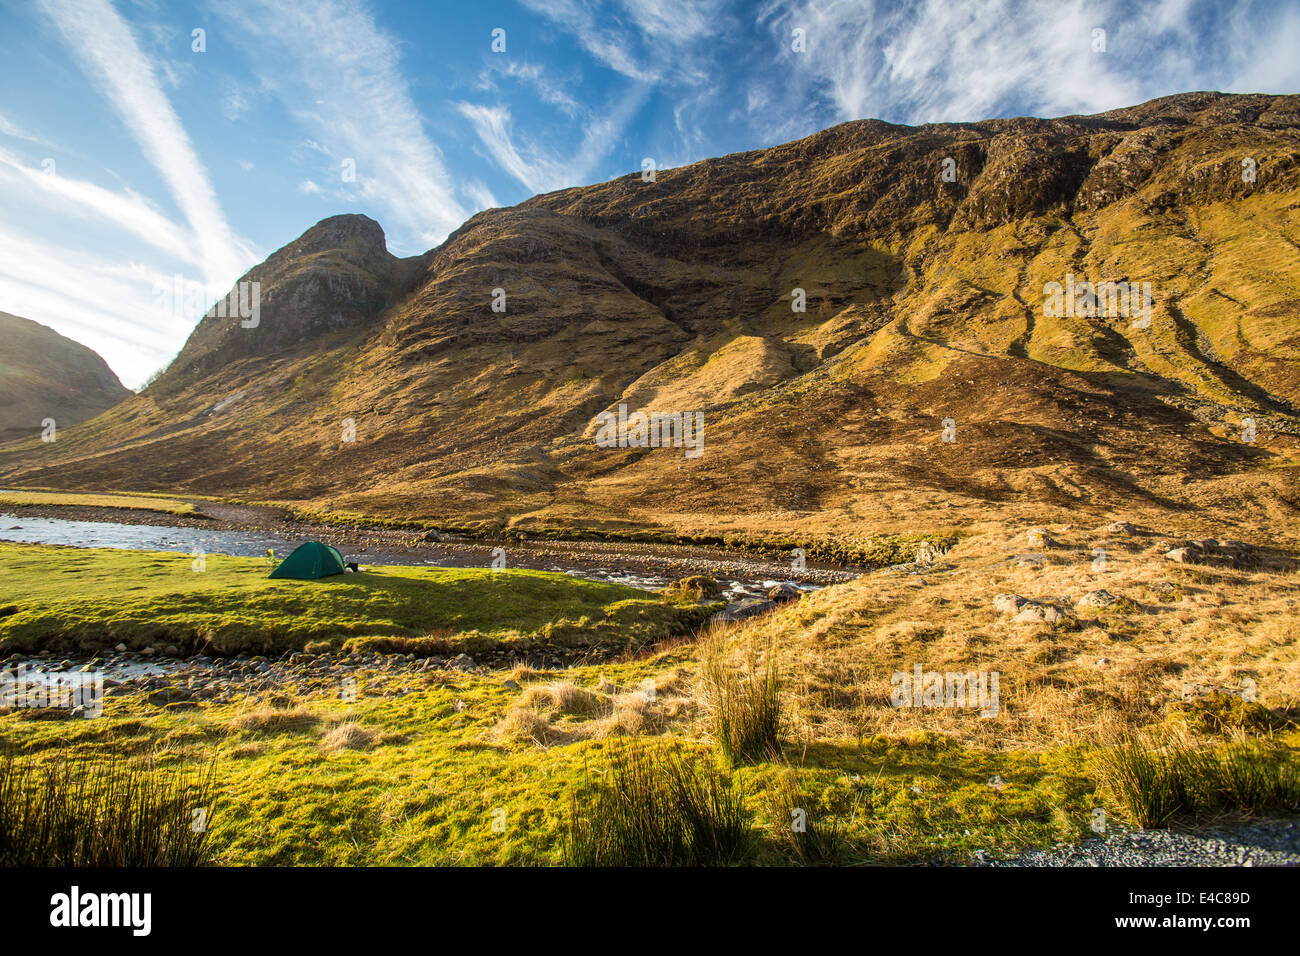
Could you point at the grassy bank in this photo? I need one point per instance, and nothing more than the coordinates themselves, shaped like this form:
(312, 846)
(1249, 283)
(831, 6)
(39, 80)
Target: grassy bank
(68, 499)
(439, 775)
(71, 600)
(758, 723)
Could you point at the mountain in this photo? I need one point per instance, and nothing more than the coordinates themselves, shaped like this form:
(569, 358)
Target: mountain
(46, 375)
(926, 256)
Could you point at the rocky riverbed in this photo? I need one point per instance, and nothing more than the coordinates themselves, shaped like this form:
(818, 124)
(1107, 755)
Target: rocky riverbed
(249, 530)
(186, 683)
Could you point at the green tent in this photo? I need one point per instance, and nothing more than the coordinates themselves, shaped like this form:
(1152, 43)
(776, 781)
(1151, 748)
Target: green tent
(310, 561)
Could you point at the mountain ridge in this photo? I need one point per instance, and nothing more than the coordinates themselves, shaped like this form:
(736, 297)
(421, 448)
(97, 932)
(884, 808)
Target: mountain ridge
(924, 303)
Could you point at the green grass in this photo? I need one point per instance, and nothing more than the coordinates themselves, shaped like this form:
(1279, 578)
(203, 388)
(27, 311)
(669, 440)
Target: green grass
(74, 500)
(435, 781)
(813, 837)
(438, 779)
(72, 600)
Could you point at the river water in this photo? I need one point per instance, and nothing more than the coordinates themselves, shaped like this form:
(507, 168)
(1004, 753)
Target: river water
(739, 578)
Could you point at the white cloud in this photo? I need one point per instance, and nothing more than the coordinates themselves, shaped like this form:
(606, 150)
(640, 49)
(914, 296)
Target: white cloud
(109, 54)
(79, 197)
(9, 128)
(665, 43)
(479, 196)
(235, 104)
(547, 89)
(935, 60)
(350, 71)
(109, 307)
(1273, 63)
(541, 169)
(308, 186)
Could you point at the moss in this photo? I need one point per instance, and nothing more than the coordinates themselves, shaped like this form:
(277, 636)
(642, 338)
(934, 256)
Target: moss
(695, 587)
(1220, 713)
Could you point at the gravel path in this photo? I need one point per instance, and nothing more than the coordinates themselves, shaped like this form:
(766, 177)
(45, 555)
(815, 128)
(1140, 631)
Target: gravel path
(1260, 843)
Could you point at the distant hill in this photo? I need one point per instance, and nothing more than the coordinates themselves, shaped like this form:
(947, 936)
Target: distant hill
(923, 254)
(46, 375)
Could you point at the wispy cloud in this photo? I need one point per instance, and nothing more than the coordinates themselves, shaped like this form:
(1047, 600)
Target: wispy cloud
(533, 75)
(110, 307)
(935, 60)
(650, 41)
(78, 197)
(109, 54)
(351, 73)
(12, 129)
(541, 169)
(478, 194)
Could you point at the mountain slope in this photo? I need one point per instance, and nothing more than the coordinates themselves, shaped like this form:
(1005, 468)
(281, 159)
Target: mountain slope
(925, 301)
(46, 375)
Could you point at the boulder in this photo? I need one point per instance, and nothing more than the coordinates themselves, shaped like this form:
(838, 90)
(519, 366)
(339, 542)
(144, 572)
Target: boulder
(1039, 538)
(1120, 527)
(785, 591)
(698, 586)
(739, 610)
(1098, 598)
(1034, 613)
(1188, 555)
(1008, 603)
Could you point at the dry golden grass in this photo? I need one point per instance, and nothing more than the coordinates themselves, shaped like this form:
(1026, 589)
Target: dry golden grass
(349, 735)
(127, 502)
(525, 725)
(563, 712)
(1097, 672)
(567, 698)
(271, 720)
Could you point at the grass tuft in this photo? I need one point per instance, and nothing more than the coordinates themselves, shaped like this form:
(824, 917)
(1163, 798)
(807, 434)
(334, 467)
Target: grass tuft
(1159, 781)
(95, 813)
(653, 808)
(349, 736)
(744, 706)
(812, 838)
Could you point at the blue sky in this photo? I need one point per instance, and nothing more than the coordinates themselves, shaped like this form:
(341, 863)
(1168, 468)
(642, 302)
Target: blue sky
(128, 158)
